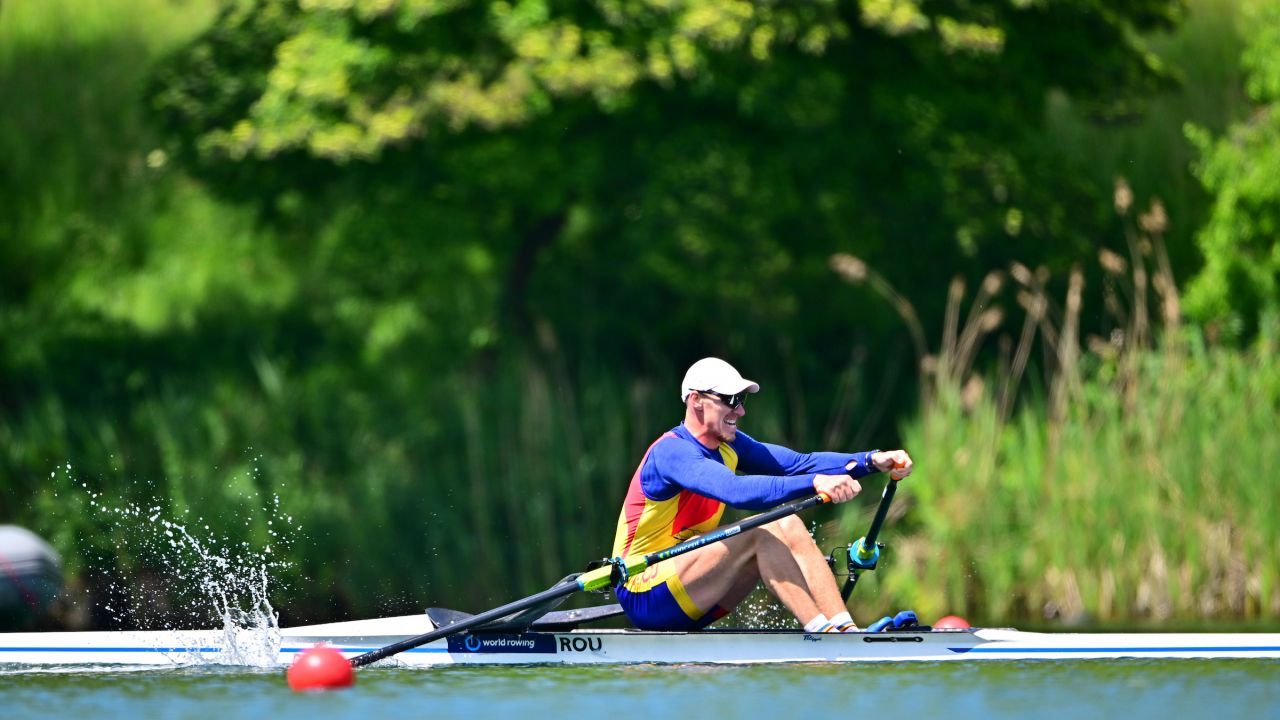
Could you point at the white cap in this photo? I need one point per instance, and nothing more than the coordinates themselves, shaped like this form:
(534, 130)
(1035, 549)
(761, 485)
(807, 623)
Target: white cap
(715, 375)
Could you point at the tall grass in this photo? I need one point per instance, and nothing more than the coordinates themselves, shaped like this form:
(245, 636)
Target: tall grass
(1133, 480)
(1107, 478)
(1117, 479)
(464, 491)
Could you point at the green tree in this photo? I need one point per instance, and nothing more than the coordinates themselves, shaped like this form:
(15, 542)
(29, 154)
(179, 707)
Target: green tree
(458, 173)
(1240, 283)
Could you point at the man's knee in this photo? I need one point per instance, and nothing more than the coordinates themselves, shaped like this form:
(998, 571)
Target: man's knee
(793, 532)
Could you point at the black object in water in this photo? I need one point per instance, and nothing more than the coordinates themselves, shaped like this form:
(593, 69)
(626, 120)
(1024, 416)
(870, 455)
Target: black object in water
(30, 576)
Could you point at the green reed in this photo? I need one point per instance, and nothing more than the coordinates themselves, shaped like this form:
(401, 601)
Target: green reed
(1117, 479)
(1133, 485)
(1139, 490)
(1161, 509)
(463, 491)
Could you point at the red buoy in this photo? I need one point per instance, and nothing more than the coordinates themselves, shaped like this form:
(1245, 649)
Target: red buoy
(320, 668)
(951, 622)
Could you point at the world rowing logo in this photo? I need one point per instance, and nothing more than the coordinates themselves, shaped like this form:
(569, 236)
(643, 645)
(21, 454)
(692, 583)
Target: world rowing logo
(486, 643)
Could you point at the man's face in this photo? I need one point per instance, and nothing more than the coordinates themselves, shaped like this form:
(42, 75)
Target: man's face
(720, 418)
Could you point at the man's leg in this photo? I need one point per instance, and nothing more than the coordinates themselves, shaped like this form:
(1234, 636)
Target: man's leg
(817, 573)
(725, 572)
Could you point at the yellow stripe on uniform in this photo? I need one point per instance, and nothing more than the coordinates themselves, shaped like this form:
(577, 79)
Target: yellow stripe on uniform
(682, 596)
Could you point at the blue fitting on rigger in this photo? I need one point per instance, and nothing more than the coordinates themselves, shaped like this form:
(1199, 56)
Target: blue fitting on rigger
(861, 557)
(904, 620)
(880, 625)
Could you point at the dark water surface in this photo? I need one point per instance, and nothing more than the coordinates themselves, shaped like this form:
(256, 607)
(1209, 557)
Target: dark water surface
(1128, 689)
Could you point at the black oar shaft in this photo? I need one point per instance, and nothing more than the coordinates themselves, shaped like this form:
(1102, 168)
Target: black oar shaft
(596, 579)
(883, 510)
(474, 621)
(867, 544)
(728, 531)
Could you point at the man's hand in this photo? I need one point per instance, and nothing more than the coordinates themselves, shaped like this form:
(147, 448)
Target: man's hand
(840, 488)
(895, 462)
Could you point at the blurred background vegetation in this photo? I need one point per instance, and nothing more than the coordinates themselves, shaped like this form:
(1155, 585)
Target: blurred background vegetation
(429, 271)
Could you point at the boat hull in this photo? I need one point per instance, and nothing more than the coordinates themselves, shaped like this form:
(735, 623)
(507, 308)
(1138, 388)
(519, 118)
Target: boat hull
(611, 646)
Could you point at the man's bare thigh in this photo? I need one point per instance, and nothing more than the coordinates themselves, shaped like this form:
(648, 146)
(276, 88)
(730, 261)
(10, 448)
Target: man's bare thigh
(719, 571)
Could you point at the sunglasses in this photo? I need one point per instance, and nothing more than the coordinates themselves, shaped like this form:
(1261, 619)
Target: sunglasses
(734, 401)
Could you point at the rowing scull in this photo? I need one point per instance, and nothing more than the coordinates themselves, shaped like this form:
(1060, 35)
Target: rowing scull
(609, 646)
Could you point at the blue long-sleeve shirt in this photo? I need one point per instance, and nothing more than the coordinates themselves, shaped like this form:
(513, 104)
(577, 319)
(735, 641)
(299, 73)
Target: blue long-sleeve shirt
(771, 474)
(682, 486)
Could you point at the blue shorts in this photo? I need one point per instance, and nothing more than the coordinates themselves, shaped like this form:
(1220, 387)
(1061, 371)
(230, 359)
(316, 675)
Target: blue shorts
(658, 609)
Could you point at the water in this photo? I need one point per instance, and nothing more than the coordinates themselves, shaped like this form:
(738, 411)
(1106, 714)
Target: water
(1131, 689)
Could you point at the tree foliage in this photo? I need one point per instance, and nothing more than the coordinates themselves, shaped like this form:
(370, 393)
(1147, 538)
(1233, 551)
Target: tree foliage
(593, 165)
(1241, 241)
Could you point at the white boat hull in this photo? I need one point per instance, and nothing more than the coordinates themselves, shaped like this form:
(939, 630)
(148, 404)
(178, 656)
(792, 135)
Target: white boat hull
(167, 648)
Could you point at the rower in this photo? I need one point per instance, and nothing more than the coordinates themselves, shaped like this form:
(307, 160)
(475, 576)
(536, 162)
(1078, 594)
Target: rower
(681, 488)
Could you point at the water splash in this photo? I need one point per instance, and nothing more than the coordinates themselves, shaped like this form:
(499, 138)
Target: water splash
(236, 585)
(184, 572)
(760, 610)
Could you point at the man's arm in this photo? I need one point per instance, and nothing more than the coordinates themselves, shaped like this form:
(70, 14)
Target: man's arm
(674, 465)
(770, 459)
